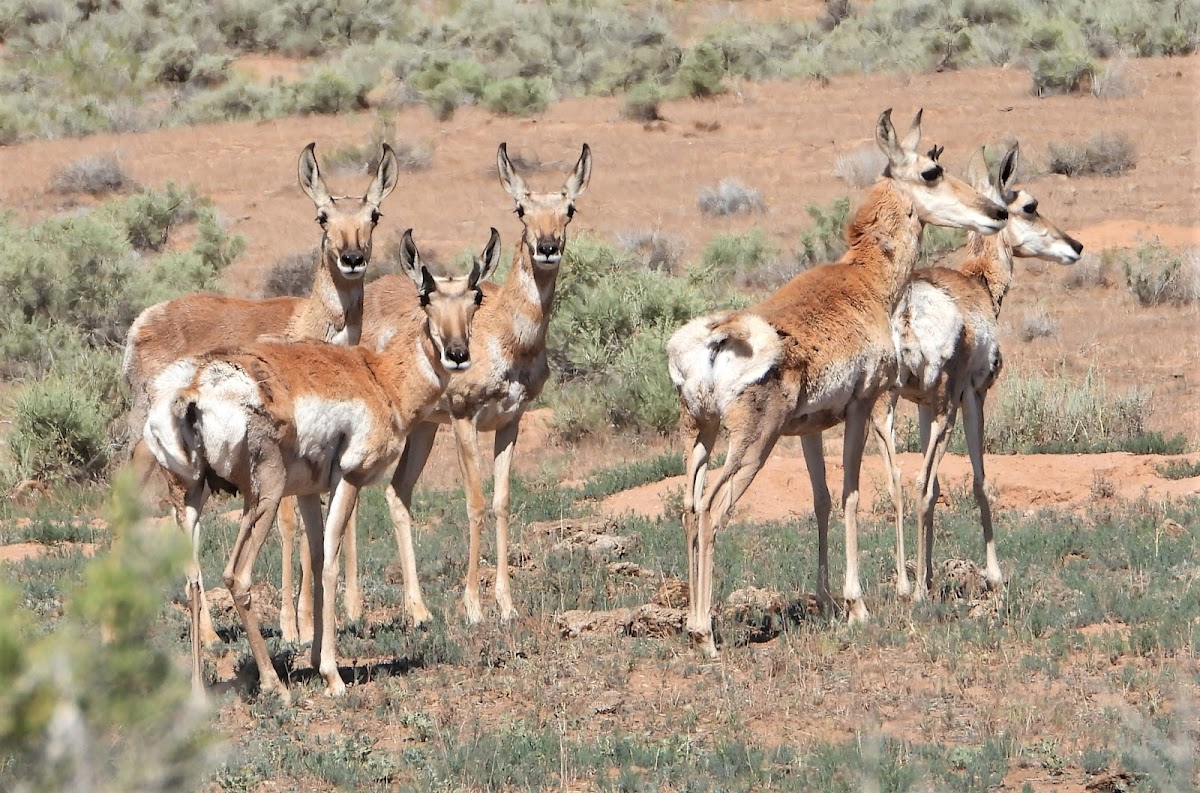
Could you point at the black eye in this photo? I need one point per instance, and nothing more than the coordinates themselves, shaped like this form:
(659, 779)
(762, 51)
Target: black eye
(1030, 208)
(931, 174)
(520, 210)
(479, 297)
(375, 216)
(570, 211)
(322, 218)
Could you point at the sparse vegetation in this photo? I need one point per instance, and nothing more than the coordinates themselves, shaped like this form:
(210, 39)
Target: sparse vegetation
(656, 250)
(1090, 271)
(860, 167)
(1156, 274)
(730, 197)
(1179, 469)
(101, 173)
(365, 158)
(1106, 154)
(642, 102)
(76, 71)
(1037, 324)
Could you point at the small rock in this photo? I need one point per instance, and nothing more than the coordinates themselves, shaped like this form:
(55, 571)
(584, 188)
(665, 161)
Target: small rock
(1172, 528)
(606, 702)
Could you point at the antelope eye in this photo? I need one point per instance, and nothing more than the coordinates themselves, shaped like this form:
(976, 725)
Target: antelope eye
(375, 216)
(931, 174)
(1030, 208)
(322, 218)
(520, 211)
(479, 297)
(570, 211)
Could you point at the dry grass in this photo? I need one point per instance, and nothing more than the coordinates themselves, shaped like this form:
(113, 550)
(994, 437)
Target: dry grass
(1106, 154)
(94, 175)
(860, 166)
(730, 197)
(1037, 324)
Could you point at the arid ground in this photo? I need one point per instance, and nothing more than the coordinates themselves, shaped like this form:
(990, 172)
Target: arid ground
(1054, 683)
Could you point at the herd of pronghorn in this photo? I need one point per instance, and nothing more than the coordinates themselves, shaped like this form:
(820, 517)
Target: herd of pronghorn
(295, 398)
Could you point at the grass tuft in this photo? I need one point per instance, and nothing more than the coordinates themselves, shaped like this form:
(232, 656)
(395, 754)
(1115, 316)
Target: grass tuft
(1106, 154)
(730, 197)
(94, 175)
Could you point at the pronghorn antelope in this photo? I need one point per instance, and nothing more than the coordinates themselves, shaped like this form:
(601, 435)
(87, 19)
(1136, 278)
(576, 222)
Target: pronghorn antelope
(949, 353)
(816, 353)
(508, 349)
(277, 419)
(204, 321)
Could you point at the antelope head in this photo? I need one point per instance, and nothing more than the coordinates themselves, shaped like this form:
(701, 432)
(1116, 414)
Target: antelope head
(545, 216)
(450, 303)
(347, 222)
(1028, 234)
(940, 198)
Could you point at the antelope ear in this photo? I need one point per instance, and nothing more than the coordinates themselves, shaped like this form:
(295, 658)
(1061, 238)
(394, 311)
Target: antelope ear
(510, 180)
(410, 262)
(309, 174)
(385, 177)
(578, 181)
(486, 264)
(1006, 174)
(912, 138)
(977, 170)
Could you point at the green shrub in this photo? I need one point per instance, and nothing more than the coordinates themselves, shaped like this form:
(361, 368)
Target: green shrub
(607, 340)
(61, 423)
(10, 124)
(326, 91)
(1035, 413)
(730, 197)
(1058, 72)
(702, 71)
(734, 257)
(518, 96)
(642, 101)
(236, 99)
(937, 241)
(826, 240)
(1156, 274)
(179, 60)
(85, 713)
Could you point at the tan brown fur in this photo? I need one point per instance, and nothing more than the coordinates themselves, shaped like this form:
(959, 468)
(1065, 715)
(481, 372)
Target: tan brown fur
(299, 419)
(508, 348)
(822, 351)
(958, 359)
(203, 321)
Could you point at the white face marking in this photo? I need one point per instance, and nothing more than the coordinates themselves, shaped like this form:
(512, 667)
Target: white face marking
(941, 207)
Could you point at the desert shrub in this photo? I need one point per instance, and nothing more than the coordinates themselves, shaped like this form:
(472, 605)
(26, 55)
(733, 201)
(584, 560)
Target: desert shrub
(1105, 154)
(1037, 324)
(937, 241)
(100, 173)
(735, 257)
(365, 158)
(448, 83)
(179, 60)
(291, 275)
(86, 713)
(607, 337)
(61, 423)
(702, 71)
(1156, 274)
(642, 101)
(826, 240)
(1058, 72)
(326, 91)
(518, 96)
(236, 99)
(656, 250)
(730, 197)
(1114, 81)
(1035, 413)
(148, 215)
(860, 167)
(10, 124)
(1090, 271)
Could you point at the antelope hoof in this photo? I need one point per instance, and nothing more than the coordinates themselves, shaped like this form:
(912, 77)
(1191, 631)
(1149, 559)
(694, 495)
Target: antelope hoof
(353, 607)
(904, 589)
(508, 613)
(276, 689)
(419, 615)
(473, 609)
(856, 612)
(703, 643)
(334, 686)
(209, 637)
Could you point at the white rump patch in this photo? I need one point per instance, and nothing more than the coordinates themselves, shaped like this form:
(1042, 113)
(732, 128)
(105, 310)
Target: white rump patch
(324, 425)
(226, 396)
(165, 436)
(712, 359)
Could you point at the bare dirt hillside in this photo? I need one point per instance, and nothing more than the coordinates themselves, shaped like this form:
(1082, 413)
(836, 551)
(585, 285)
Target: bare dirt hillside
(780, 138)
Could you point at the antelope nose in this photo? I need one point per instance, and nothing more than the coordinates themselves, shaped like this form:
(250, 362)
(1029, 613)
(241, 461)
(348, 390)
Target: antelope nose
(458, 354)
(353, 259)
(998, 212)
(548, 248)
(1076, 245)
